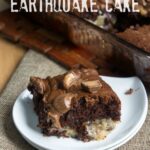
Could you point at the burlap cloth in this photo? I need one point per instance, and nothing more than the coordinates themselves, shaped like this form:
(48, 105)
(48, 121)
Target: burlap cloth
(36, 64)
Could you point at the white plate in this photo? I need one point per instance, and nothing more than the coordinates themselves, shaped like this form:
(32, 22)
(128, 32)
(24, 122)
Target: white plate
(134, 110)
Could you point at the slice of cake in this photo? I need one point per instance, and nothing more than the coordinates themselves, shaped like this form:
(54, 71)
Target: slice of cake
(76, 104)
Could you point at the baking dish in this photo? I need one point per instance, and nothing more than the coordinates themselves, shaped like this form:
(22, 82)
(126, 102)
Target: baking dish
(127, 57)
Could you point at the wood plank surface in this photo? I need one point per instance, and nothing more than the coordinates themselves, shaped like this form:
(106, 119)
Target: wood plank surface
(10, 56)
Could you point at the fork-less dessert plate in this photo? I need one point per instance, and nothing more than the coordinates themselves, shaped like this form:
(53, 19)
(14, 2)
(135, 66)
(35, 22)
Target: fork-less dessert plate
(134, 111)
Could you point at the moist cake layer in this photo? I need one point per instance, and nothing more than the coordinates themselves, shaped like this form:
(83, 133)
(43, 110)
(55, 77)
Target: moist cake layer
(77, 104)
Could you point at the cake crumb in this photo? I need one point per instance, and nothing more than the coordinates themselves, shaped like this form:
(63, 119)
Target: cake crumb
(129, 92)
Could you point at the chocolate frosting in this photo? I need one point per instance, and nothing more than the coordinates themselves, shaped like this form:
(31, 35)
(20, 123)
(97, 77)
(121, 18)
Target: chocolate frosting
(60, 92)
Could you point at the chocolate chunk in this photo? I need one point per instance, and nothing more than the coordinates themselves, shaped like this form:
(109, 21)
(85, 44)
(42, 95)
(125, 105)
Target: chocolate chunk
(38, 84)
(62, 103)
(91, 86)
(72, 79)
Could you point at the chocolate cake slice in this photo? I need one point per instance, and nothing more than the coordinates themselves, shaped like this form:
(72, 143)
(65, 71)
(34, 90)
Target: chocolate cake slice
(76, 104)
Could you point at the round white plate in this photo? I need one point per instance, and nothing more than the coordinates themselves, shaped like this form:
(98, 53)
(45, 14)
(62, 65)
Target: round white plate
(134, 110)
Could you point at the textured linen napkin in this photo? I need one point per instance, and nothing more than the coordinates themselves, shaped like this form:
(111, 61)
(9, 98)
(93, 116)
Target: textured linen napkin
(35, 64)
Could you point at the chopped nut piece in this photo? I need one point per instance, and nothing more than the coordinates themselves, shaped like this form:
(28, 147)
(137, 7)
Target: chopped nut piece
(91, 86)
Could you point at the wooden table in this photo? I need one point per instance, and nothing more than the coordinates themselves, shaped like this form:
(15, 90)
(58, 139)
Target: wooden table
(10, 56)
